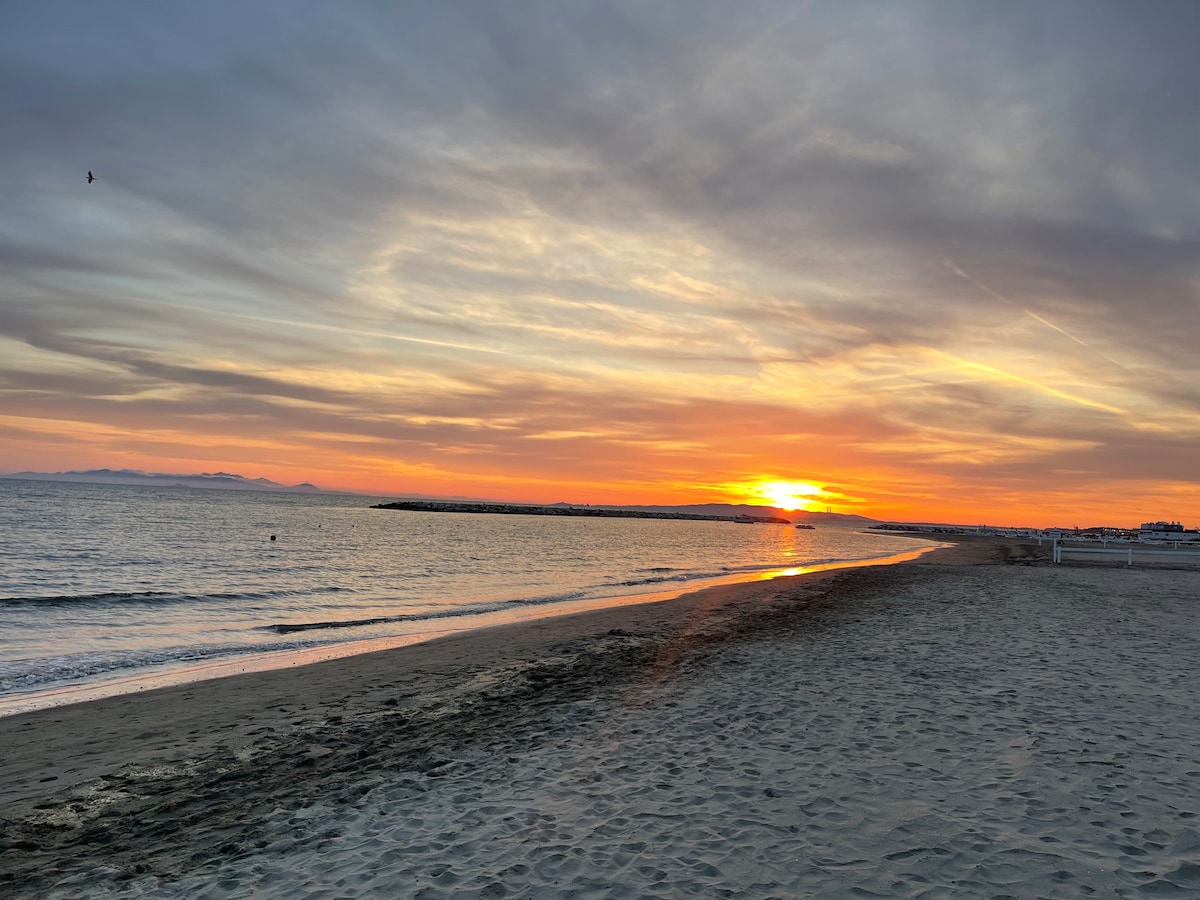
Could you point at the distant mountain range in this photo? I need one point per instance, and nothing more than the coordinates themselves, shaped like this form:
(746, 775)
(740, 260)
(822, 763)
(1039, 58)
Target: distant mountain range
(219, 480)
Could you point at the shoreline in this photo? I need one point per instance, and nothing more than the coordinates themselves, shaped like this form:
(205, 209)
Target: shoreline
(264, 702)
(125, 683)
(168, 790)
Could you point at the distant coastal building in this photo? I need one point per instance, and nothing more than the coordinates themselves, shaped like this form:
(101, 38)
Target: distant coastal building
(1166, 531)
(1149, 533)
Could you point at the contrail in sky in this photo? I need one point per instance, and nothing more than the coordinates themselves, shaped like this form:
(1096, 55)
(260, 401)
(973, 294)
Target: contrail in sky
(949, 264)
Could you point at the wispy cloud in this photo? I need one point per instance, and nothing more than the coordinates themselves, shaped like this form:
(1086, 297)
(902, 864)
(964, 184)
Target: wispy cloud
(931, 254)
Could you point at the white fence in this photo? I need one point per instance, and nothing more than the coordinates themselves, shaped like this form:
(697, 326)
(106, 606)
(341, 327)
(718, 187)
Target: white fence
(1129, 552)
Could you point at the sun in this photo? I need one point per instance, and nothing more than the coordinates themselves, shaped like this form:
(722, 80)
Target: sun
(787, 494)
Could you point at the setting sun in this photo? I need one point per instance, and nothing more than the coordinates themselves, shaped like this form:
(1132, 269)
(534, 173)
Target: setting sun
(671, 321)
(787, 494)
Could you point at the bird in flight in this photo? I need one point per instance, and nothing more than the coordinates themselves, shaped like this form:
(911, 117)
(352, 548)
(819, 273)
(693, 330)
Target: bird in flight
(91, 177)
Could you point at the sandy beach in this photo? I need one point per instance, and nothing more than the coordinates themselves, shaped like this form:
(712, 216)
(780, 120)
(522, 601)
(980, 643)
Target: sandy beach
(975, 724)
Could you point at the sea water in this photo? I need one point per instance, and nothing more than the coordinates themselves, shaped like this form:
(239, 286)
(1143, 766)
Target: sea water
(109, 588)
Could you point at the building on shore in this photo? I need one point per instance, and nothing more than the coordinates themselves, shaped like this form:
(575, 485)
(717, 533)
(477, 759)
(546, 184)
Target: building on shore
(1156, 532)
(1159, 533)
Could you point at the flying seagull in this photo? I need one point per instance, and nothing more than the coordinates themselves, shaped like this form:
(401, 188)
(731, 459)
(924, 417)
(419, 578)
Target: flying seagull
(91, 177)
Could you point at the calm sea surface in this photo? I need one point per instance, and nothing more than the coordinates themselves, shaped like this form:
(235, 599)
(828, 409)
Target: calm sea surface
(105, 589)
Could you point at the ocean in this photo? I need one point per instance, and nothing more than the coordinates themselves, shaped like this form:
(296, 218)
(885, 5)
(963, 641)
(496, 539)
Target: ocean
(106, 589)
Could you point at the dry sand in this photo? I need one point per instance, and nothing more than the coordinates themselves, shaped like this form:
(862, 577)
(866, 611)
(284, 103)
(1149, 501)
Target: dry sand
(934, 729)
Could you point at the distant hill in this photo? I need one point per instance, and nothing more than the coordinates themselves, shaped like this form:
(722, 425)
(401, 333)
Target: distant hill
(217, 480)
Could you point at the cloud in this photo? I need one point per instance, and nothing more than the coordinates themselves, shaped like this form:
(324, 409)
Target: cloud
(630, 236)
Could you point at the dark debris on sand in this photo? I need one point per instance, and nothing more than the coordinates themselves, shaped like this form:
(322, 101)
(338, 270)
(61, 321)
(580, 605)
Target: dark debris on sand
(189, 816)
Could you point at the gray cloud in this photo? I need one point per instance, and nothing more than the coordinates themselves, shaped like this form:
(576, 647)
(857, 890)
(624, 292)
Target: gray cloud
(606, 190)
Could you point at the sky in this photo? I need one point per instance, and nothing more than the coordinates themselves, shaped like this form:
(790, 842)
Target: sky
(931, 261)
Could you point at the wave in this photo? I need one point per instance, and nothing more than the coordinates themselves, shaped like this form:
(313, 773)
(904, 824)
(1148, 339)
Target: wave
(28, 675)
(685, 575)
(475, 609)
(456, 612)
(681, 575)
(154, 598)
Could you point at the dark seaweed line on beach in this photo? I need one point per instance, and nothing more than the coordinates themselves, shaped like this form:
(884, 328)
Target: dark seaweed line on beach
(176, 821)
(138, 823)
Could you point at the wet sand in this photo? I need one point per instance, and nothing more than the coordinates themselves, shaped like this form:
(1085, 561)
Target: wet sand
(977, 723)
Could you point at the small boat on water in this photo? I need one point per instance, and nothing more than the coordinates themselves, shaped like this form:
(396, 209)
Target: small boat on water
(809, 527)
